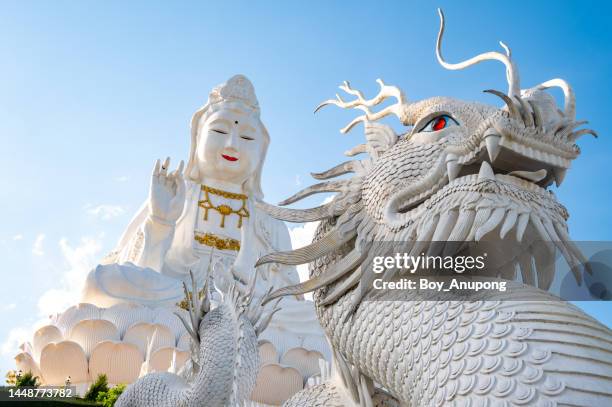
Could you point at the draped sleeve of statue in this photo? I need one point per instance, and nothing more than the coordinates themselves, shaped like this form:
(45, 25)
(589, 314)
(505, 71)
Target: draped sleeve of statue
(171, 242)
(131, 243)
(275, 236)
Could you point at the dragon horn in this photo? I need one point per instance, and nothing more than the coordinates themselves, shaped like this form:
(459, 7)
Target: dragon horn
(514, 87)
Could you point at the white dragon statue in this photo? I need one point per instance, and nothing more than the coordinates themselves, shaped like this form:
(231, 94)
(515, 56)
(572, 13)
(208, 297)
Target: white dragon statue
(464, 172)
(225, 357)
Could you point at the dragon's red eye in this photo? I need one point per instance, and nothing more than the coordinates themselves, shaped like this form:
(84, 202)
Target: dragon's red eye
(439, 123)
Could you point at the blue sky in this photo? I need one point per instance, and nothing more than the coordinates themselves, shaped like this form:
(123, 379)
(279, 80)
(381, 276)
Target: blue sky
(91, 93)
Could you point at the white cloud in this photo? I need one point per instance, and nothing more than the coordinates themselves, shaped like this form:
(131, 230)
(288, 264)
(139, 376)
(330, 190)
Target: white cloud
(15, 337)
(122, 178)
(19, 335)
(79, 261)
(9, 307)
(18, 237)
(105, 212)
(37, 248)
(298, 180)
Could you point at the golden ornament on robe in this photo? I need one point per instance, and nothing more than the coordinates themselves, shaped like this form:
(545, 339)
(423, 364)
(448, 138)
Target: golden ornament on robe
(220, 243)
(223, 209)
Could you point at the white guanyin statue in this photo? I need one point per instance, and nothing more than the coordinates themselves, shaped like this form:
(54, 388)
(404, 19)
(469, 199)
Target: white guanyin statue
(203, 218)
(186, 220)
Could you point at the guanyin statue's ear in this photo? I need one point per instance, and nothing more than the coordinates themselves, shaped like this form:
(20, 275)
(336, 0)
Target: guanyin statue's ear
(192, 171)
(253, 184)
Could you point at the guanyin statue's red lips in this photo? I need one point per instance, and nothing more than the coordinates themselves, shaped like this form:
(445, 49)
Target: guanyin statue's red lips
(229, 157)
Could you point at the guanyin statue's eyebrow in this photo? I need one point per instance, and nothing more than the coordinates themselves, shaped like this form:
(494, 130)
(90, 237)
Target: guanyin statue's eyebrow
(247, 127)
(222, 121)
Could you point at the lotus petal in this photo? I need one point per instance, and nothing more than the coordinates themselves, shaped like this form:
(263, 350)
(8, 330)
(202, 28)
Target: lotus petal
(26, 347)
(184, 341)
(305, 361)
(267, 353)
(63, 359)
(276, 384)
(304, 336)
(279, 338)
(167, 318)
(88, 333)
(75, 314)
(44, 336)
(125, 315)
(140, 334)
(120, 361)
(162, 358)
(26, 363)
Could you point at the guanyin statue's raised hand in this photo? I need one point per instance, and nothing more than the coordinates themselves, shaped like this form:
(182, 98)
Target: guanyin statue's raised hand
(165, 206)
(167, 193)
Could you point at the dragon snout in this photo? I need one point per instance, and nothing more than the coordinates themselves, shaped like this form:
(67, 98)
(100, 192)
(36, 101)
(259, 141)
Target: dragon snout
(529, 157)
(530, 137)
(539, 154)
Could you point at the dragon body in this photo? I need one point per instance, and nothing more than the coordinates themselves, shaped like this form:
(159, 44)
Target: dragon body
(464, 172)
(225, 357)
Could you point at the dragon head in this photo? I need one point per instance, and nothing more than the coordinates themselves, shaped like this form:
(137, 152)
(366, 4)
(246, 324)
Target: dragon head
(463, 171)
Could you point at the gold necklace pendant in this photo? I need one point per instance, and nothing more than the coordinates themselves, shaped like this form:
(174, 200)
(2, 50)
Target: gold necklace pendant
(219, 243)
(223, 209)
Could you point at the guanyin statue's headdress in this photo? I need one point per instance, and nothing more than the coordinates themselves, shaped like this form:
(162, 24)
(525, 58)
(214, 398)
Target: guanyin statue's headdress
(238, 90)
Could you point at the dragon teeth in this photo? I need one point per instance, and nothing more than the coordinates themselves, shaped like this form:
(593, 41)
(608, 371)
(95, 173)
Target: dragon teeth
(534, 176)
(486, 172)
(492, 143)
(452, 169)
(452, 166)
(559, 175)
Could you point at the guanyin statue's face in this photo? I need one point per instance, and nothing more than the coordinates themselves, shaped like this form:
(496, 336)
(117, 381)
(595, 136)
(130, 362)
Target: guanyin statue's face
(230, 144)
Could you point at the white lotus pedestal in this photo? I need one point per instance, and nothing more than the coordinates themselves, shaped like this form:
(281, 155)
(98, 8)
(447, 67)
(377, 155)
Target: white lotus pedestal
(128, 340)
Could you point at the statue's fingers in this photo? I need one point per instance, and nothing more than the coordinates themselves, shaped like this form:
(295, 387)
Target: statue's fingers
(164, 167)
(156, 169)
(179, 171)
(170, 179)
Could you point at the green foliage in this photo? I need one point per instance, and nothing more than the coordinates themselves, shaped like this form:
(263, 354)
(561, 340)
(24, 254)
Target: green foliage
(108, 398)
(100, 385)
(26, 379)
